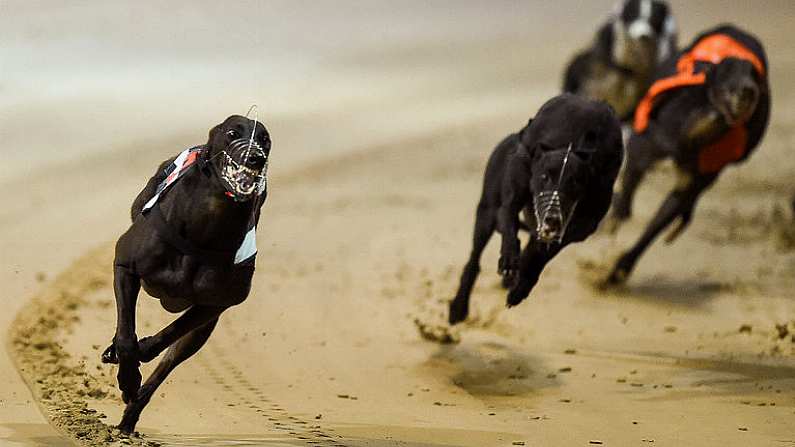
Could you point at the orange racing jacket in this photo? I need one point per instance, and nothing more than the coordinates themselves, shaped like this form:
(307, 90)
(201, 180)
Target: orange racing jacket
(711, 49)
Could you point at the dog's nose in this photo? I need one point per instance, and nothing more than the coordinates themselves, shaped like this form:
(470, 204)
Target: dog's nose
(255, 161)
(552, 222)
(641, 31)
(645, 40)
(747, 93)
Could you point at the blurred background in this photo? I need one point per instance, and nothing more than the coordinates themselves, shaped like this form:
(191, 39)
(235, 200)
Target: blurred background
(94, 95)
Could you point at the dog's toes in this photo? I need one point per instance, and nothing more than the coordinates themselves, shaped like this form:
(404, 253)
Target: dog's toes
(109, 355)
(510, 278)
(514, 298)
(616, 278)
(458, 312)
(125, 426)
(621, 271)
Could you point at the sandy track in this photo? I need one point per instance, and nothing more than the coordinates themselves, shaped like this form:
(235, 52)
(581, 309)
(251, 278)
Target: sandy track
(325, 351)
(355, 248)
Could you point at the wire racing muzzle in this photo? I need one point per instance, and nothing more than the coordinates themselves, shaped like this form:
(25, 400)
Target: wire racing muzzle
(551, 221)
(241, 181)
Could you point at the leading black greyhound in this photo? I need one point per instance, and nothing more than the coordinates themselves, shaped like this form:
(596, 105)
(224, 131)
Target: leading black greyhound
(191, 244)
(559, 170)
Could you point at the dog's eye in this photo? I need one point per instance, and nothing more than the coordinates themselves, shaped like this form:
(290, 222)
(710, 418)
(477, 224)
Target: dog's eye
(585, 155)
(545, 147)
(231, 133)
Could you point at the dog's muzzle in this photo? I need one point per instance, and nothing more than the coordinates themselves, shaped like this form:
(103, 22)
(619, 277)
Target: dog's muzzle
(551, 223)
(241, 181)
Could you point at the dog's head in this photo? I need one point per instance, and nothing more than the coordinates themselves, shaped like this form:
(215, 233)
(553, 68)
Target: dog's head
(575, 146)
(238, 150)
(644, 34)
(733, 87)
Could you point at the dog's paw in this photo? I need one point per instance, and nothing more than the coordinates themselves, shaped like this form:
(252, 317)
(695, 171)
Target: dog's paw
(109, 355)
(132, 411)
(515, 296)
(616, 278)
(508, 267)
(437, 333)
(459, 310)
(620, 273)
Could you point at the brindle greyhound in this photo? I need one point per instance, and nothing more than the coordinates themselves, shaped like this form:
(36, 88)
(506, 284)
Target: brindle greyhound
(559, 170)
(191, 244)
(620, 64)
(709, 109)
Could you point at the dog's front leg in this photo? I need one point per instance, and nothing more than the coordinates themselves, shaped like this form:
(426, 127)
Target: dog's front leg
(534, 258)
(485, 221)
(678, 204)
(508, 221)
(177, 353)
(126, 286)
(641, 155)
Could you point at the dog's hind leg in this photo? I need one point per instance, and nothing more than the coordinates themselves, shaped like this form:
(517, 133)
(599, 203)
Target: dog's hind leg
(177, 353)
(485, 223)
(151, 347)
(678, 204)
(126, 287)
(534, 258)
(193, 318)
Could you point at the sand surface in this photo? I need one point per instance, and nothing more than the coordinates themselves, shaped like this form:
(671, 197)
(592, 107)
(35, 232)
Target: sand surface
(382, 115)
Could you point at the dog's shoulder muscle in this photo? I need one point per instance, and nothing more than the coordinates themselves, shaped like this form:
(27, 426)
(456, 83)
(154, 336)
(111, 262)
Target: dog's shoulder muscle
(151, 187)
(678, 112)
(499, 171)
(595, 204)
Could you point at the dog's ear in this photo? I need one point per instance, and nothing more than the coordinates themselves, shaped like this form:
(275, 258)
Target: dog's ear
(524, 140)
(213, 133)
(711, 73)
(604, 41)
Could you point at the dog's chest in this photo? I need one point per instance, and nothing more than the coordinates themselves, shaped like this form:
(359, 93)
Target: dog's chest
(620, 91)
(185, 279)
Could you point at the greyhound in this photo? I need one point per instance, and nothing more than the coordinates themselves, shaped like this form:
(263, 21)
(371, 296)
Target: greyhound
(559, 171)
(620, 64)
(191, 245)
(709, 109)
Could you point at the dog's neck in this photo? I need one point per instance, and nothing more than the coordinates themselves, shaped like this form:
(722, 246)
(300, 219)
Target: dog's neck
(202, 213)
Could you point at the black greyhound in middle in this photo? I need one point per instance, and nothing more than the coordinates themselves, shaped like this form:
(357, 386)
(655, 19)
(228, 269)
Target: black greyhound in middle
(559, 170)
